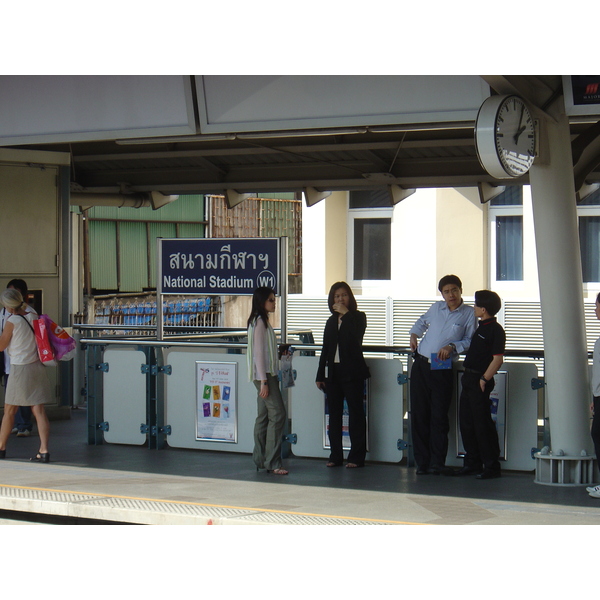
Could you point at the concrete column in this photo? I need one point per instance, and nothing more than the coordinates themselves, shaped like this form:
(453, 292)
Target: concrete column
(561, 292)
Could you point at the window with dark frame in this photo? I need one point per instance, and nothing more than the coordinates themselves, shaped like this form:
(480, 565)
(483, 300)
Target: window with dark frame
(589, 243)
(372, 236)
(372, 249)
(509, 248)
(509, 235)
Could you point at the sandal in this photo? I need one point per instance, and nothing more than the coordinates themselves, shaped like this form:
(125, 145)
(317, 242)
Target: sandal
(278, 471)
(42, 457)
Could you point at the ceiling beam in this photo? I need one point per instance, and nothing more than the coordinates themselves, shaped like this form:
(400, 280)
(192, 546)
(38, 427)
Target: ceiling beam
(538, 91)
(586, 154)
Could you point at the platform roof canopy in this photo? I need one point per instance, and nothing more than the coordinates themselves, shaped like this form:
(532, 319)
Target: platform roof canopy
(248, 134)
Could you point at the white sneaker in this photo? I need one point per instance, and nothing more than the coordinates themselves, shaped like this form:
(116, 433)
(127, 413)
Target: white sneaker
(593, 489)
(27, 433)
(595, 494)
(14, 430)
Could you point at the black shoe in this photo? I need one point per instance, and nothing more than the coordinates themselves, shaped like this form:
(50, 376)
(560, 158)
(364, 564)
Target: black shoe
(422, 470)
(488, 474)
(41, 457)
(466, 471)
(439, 470)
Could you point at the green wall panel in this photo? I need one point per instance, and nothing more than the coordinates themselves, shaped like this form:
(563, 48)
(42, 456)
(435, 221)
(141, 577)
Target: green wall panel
(103, 255)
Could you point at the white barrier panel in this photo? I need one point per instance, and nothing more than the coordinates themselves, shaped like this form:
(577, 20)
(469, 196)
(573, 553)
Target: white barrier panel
(386, 410)
(181, 400)
(125, 406)
(124, 395)
(521, 419)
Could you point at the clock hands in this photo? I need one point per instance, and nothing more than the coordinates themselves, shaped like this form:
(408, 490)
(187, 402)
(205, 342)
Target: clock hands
(520, 128)
(519, 132)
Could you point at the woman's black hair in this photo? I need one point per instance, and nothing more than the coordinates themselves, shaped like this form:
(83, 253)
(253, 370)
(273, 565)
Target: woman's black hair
(336, 286)
(598, 297)
(259, 299)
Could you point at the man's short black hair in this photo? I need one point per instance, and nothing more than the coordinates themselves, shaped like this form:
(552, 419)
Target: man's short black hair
(449, 279)
(19, 284)
(488, 300)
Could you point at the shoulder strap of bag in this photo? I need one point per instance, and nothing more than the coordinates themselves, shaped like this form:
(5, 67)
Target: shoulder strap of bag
(28, 323)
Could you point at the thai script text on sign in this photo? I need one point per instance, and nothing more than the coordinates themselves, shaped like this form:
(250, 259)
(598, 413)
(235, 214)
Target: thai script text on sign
(232, 266)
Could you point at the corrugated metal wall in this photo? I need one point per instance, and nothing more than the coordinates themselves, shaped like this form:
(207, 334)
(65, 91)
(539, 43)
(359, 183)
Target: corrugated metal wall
(133, 256)
(122, 241)
(164, 230)
(103, 255)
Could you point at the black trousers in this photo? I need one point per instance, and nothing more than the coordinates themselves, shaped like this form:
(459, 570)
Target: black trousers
(353, 392)
(477, 428)
(596, 428)
(430, 398)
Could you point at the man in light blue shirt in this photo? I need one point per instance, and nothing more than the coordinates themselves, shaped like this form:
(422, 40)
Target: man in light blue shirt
(446, 330)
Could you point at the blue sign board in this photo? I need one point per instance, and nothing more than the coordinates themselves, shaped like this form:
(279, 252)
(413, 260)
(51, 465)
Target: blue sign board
(225, 266)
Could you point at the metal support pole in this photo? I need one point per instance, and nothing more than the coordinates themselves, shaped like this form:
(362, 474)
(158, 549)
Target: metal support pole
(561, 293)
(283, 285)
(160, 319)
(286, 449)
(161, 427)
(94, 394)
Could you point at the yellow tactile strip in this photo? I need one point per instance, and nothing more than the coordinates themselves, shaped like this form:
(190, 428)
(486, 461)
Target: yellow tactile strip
(158, 512)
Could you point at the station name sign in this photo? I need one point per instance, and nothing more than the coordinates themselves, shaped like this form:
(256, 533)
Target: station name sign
(224, 266)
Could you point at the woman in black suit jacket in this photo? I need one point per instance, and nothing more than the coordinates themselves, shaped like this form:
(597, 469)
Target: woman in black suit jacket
(342, 373)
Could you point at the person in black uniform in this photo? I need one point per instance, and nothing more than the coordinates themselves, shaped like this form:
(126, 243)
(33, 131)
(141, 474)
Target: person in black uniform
(341, 374)
(483, 359)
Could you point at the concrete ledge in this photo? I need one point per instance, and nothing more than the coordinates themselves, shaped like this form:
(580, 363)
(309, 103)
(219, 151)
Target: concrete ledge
(143, 511)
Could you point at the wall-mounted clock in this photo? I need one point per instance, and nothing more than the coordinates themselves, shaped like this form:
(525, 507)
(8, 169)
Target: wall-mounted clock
(505, 136)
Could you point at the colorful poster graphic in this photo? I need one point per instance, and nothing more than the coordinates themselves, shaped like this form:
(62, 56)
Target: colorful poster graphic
(216, 416)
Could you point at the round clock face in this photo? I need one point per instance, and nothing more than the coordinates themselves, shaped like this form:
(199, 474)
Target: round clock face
(505, 136)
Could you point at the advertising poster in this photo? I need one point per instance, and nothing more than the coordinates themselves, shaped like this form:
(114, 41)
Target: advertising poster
(497, 408)
(345, 421)
(216, 417)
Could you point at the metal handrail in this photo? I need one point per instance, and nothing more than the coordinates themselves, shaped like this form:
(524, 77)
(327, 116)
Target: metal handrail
(211, 332)
(400, 350)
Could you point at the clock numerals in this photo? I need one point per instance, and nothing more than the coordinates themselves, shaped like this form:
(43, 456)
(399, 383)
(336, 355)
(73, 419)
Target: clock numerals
(515, 137)
(505, 136)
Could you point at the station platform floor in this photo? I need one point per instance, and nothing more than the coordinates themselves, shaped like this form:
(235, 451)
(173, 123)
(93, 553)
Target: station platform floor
(119, 484)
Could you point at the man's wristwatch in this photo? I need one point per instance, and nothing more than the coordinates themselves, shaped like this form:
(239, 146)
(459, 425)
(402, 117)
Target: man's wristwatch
(484, 379)
(453, 346)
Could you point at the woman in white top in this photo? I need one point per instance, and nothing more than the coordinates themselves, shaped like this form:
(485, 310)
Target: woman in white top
(262, 370)
(28, 384)
(23, 425)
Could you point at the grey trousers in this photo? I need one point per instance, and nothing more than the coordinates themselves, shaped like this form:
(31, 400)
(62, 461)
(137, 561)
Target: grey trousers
(269, 427)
